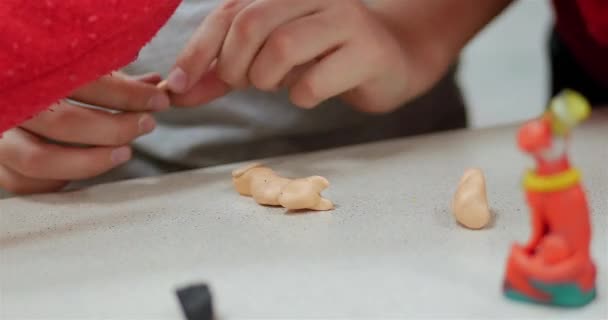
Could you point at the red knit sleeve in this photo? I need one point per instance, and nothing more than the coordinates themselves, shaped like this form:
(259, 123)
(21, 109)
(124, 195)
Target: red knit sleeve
(49, 48)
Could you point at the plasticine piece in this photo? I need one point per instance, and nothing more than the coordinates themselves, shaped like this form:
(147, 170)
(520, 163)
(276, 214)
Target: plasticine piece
(294, 195)
(196, 302)
(268, 188)
(555, 267)
(470, 203)
(163, 85)
(50, 48)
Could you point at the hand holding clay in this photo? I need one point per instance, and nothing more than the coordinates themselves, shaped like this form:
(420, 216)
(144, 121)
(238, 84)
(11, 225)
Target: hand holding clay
(268, 188)
(470, 203)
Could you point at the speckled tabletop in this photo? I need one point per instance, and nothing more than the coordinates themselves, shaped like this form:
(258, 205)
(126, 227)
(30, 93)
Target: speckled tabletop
(390, 250)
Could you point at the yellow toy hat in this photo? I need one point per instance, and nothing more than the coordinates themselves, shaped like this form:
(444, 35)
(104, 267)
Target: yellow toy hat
(568, 109)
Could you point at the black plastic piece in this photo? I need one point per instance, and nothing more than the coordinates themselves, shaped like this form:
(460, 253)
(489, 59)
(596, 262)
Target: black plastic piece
(196, 302)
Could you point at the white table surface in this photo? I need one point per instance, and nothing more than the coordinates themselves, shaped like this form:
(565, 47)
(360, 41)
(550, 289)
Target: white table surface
(390, 250)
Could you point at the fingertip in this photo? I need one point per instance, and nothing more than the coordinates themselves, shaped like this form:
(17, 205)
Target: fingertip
(121, 155)
(146, 124)
(177, 81)
(159, 102)
(301, 100)
(307, 106)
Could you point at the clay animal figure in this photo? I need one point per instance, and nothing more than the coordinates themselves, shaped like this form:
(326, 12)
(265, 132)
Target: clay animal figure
(555, 267)
(266, 187)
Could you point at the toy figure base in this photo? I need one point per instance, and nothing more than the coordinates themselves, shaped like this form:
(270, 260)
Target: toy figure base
(561, 295)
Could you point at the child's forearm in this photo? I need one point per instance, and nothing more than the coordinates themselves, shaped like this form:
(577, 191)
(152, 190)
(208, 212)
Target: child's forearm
(433, 32)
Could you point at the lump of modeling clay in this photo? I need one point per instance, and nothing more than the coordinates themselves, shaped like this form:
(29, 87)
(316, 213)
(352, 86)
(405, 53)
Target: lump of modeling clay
(163, 85)
(470, 203)
(298, 194)
(268, 188)
(196, 302)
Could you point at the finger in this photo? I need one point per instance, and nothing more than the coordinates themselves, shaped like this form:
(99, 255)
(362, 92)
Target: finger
(293, 44)
(209, 88)
(16, 183)
(29, 156)
(321, 83)
(204, 46)
(250, 29)
(118, 92)
(293, 75)
(74, 124)
(152, 78)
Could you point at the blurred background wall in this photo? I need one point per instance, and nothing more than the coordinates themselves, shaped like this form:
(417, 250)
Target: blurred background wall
(505, 69)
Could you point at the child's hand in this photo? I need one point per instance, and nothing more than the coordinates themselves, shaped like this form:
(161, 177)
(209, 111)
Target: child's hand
(318, 49)
(30, 164)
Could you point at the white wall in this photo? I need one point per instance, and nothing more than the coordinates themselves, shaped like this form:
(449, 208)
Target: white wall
(505, 69)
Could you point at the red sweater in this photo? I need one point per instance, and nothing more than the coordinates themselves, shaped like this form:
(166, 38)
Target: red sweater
(583, 26)
(48, 48)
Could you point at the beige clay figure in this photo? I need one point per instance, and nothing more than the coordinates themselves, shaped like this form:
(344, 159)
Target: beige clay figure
(268, 188)
(470, 203)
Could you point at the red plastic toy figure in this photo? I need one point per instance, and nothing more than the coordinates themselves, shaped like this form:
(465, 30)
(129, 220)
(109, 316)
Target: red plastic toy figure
(555, 267)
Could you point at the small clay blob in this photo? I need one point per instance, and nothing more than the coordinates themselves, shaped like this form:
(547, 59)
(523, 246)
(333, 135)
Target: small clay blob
(196, 302)
(268, 188)
(162, 85)
(470, 203)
